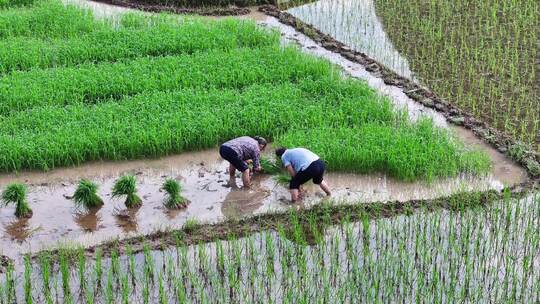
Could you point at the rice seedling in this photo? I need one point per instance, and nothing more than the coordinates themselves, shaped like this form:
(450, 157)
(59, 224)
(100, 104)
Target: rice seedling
(451, 254)
(86, 194)
(15, 3)
(190, 225)
(480, 56)
(391, 150)
(127, 186)
(270, 166)
(174, 199)
(16, 194)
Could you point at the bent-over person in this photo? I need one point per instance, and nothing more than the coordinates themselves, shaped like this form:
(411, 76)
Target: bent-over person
(303, 165)
(239, 151)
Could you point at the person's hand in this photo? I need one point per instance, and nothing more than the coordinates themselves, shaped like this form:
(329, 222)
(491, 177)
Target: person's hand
(258, 169)
(249, 161)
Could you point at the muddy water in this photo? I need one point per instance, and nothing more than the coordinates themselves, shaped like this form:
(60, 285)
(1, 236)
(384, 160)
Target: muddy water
(206, 184)
(355, 23)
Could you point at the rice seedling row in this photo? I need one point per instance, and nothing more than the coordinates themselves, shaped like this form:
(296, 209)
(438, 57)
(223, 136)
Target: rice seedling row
(481, 56)
(477, 255)
(218, 69)
(137, 127)
(161, 38)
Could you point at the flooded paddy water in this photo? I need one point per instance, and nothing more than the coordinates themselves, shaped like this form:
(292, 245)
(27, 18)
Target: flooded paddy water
(397, 259)
(203, 175)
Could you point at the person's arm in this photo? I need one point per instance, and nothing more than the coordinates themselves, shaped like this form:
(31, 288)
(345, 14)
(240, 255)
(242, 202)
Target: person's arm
(257, 161)
(291, 171)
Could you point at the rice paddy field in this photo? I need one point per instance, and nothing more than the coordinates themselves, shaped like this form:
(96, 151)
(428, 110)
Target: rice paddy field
(114, 123)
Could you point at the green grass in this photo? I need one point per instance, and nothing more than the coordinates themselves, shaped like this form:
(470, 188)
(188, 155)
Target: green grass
(482, 56)
(407, 152)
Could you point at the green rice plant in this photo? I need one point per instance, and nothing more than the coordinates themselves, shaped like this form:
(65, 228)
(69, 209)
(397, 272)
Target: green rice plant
(15, 3)
(115, 44)
(283, 179)
(174, 199)
(221, 69)
(47, 19)
(16, 194)
(127, 185)
(86, 194)
(270, 166)
(190, 225)
(409, 152)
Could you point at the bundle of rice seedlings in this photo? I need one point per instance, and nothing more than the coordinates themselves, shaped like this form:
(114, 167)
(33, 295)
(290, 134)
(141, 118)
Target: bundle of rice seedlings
(16, 194)
(174, 200)
(270, 166)
(86, 195)
(126, 185)
(283, 179)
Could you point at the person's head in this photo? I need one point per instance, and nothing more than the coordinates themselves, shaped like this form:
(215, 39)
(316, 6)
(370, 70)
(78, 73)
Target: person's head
(261, 141)
(280, 151)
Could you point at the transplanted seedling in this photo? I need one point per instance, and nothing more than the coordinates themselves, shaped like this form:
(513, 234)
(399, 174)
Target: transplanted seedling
(174, 200)
(282, 179)
(126, 185)
(86, 195)
(16, 194)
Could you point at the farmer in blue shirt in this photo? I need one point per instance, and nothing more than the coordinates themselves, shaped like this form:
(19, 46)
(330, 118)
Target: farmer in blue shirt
(303, 165)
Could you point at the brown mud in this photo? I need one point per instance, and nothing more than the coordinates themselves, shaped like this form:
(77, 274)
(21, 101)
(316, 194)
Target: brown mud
(504, 143)
(156, 8)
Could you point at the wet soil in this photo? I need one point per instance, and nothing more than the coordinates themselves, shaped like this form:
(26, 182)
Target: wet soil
(156, 8)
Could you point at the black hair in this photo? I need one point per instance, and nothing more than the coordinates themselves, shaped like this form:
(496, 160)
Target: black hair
(280, 151)
(260, 140)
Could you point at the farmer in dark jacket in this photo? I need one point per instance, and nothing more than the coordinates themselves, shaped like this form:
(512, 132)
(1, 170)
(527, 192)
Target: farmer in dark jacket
(239, 152)
(303, 165)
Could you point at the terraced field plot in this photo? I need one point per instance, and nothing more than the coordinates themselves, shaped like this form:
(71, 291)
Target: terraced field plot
(76, 91)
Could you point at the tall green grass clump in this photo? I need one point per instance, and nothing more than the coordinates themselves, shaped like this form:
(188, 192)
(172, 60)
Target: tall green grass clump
(270, 165)
(86, 194)
(127, 186)
(16, 194)
(174, 199)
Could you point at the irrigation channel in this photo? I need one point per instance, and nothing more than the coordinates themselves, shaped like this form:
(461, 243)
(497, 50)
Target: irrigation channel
(344, 263)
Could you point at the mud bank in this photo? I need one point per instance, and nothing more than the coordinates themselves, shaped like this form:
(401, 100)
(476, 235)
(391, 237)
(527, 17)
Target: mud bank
(159, 8)
(500, 141)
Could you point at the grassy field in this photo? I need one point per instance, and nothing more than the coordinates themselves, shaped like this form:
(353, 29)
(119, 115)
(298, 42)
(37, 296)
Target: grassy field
(484, 254)
(481, 55)
(155, 86)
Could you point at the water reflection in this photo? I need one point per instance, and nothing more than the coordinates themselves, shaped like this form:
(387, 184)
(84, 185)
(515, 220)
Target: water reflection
(88, 221)
(240, 202)
(126, 219)
(355, 23)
